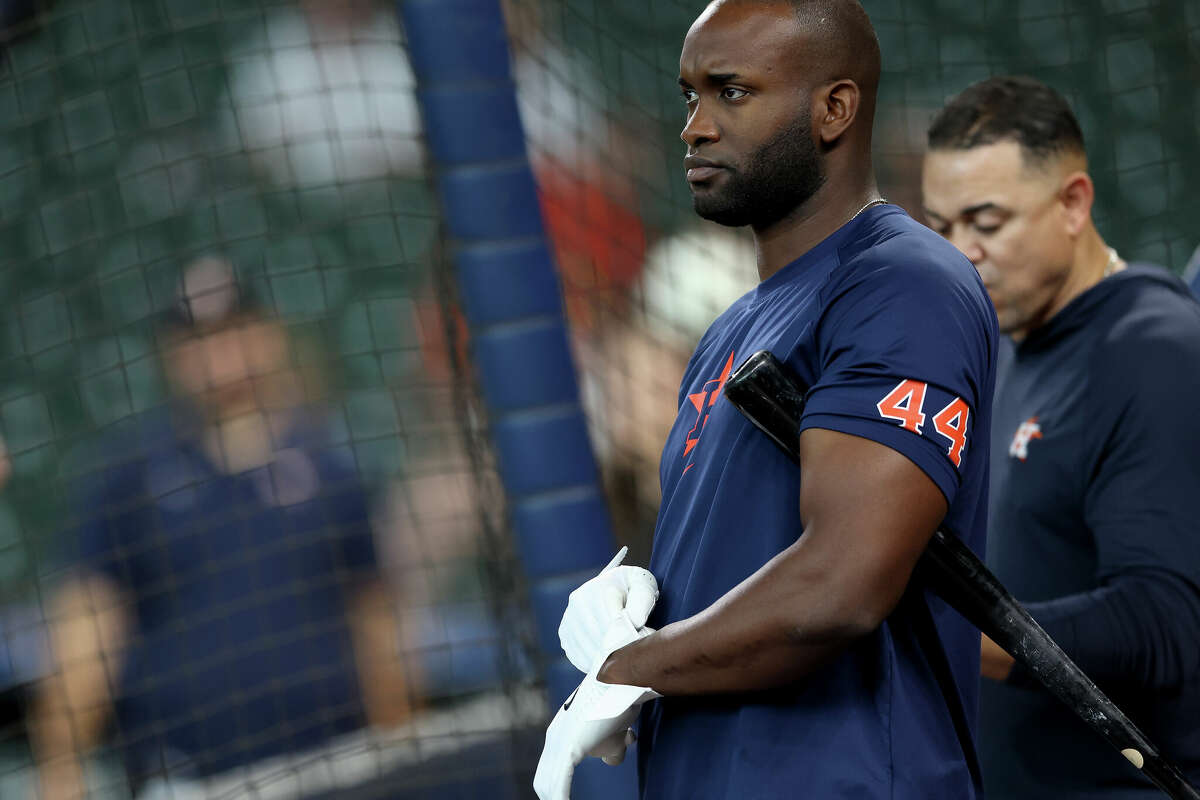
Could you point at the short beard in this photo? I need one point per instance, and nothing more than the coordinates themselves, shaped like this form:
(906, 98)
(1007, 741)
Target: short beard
(778, 178)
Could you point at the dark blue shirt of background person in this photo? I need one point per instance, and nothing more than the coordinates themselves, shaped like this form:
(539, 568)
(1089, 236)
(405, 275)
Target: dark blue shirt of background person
(1096, 460)
(238, 585)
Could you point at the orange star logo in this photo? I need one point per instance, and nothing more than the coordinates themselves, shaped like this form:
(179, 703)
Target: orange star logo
(704, 400)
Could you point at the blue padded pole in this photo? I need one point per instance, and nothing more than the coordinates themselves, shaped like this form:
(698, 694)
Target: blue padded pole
(513, 305)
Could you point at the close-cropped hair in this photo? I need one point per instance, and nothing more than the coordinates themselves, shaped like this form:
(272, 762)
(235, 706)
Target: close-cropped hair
(1008, 108)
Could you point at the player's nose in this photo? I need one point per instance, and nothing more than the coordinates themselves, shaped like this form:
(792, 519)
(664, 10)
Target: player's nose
(700, 128)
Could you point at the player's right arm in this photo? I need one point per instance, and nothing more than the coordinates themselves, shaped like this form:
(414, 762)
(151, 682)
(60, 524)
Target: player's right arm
(874, 484)
(88, 627)
(868, 514)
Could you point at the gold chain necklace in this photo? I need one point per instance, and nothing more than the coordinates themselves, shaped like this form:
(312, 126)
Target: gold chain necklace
(1113, 260)
(874, 202)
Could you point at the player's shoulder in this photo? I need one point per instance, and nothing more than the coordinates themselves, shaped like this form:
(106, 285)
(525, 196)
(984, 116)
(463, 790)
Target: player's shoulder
(1150, 289)
(115, 457)
(894, 248)
(894, 256)
(1147, 313)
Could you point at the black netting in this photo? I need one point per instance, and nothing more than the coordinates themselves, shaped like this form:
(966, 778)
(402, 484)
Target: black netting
(252, 544)
(227, 474)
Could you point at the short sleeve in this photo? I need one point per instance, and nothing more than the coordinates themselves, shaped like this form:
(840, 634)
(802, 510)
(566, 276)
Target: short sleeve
(906, 353)
(101, 522)
(1141, 501)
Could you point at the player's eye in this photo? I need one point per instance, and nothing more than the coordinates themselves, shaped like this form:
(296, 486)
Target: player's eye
(688, 95)
(733, 93)
(986, 230)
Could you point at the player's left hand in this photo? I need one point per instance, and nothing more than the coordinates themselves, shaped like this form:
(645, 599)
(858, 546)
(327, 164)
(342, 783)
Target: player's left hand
(594, 721)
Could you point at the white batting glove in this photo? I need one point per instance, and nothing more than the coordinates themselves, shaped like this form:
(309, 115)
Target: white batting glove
(592, 608)
(594, 721)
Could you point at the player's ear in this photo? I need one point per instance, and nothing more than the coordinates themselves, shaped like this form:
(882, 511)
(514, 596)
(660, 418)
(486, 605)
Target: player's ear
(834, 109)
(1077, 193)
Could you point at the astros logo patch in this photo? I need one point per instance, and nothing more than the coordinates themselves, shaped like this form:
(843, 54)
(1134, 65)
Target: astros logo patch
(1027, 431)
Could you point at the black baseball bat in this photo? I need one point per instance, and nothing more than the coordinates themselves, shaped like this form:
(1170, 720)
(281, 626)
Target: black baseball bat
(771, 397)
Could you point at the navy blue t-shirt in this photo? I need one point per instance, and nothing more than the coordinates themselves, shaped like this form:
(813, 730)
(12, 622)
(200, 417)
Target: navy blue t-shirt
(241, 648)
(1095, 526)
(891, 328)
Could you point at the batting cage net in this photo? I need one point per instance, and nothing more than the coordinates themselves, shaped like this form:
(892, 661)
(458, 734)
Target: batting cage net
(254, 541)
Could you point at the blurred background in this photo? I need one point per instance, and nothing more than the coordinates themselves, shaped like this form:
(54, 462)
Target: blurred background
(253, 539)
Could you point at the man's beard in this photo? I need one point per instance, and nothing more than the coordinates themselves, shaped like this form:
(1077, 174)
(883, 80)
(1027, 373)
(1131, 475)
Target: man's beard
(778, 178)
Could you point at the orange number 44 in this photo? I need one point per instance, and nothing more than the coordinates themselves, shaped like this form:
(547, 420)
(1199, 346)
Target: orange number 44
(905, 404)
(951, 422)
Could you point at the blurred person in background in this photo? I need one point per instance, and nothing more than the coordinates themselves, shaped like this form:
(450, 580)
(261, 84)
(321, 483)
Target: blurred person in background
(584, 157)
(327, 96)
(1095, 513)
(225, 605)
(688, 279)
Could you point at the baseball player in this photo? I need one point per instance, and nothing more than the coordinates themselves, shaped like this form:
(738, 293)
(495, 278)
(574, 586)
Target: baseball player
(776, 648)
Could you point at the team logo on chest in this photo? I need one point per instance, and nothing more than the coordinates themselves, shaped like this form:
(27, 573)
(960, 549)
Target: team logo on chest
(1027, 431)
(703, 401)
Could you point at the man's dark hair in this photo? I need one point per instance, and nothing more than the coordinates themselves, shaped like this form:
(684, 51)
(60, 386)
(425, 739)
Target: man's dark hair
(1007, 108)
